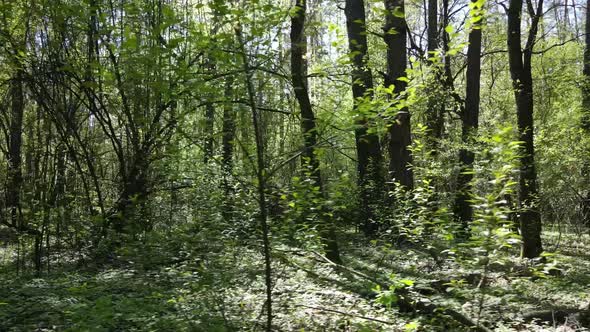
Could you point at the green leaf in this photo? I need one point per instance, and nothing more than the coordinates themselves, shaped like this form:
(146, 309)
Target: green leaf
(407, 282)
(412, 326)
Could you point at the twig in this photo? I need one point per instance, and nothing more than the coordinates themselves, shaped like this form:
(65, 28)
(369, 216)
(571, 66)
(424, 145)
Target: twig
(347, 314)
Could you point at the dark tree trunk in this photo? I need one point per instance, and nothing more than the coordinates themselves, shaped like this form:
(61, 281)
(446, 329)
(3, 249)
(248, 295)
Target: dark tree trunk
(58, 199)
(310, 161)
(300, 86)
(399, 131)
(209, 121)
(432, 26)
(522, 80)
(227, 148)
(15, 177)
(228, 129)
(434, 116)
(586, 109)
(447, 76)
(208, 130)
(369, 160)
(470, 121)
(133, 195)
(71, 127)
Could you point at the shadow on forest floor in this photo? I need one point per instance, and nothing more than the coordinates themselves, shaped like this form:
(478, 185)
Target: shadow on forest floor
(223, 290)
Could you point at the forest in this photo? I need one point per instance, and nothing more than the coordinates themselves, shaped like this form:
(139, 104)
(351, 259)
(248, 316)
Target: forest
(295, 165)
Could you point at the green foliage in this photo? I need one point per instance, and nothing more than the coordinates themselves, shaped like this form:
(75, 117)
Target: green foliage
(121, 226)
(389, 296)
(492, 230)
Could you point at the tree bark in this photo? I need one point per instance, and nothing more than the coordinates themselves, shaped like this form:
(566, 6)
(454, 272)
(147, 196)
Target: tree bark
(434, 116)
(469, 124)
(310, 161)
(208, 130)
(586, 110)
(210, 64)
(209, 118)
(228, 129)
(522, 81)
(227, 148)
(432, 26)
(133, 195)
(15, 177)
(399, 131)
(369, 160)
(260, 177)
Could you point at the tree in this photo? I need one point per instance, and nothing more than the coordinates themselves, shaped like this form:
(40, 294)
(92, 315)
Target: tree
(186, 151)
(14, 155)
(260, 176)
(520, 62)
(368, 147)
(227, 146)
(144, 109)
(434, 115)
(399, 131)
(470, 116)
(309, 157)
(586, 108)
(209, 122)
(16, 40)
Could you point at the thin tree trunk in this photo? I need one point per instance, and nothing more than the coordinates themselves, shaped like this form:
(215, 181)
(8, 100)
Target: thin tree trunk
(310, 161)
(586, 109)
(432, 26)
(522, 81)
(369, 159)
(434, 116)
(209, 121)
(15, 177)
(57, 195)
(399, 130)
(227, 147)
(228, 129)
(260, 177)
(208, 130)
(469, 124)
(447, 77)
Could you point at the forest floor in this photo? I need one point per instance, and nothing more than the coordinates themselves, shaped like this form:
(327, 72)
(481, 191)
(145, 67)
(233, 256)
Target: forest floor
(222, 289)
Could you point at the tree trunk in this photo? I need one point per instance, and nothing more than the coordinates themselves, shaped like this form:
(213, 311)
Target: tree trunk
(210, 64)
(369, 168)
(227, 148)
(399, 131)
(432, 26)
(586, 110)
(522, 81)
(134, 193)
(434, 116)
(470, 122)
(228, 129)
(208, 130)
(15, 177)
(260, 177)
(310, 161)
(447, 77)
(209, 119)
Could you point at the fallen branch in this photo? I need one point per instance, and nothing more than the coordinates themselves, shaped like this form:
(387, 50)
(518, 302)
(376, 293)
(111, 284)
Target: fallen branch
(560, 315)
(348, 314)
(406, 301)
